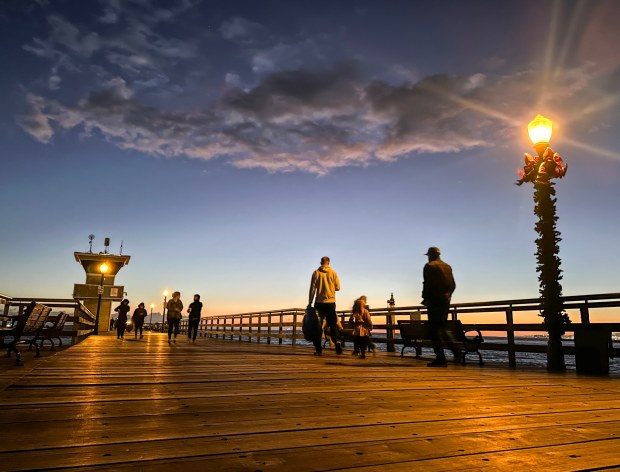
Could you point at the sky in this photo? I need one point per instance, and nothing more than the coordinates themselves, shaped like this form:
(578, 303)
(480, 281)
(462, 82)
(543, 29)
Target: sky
(231, 144)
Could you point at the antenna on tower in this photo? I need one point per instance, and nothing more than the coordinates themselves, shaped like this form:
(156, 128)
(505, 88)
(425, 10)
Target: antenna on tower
(106, 245)
(90, 242)
(121, 247)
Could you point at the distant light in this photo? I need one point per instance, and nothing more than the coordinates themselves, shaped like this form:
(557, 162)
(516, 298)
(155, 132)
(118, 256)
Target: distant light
(152, 306)
(103, 268)
(165, 294)
(540, 129)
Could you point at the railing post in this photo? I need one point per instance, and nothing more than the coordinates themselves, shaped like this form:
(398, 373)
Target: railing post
(251, 318)
(294, 342)
(269, 329)
(584, 311)
(240, 328)
(280, 330)
(510, 335)
(389, 325)
(260, 321)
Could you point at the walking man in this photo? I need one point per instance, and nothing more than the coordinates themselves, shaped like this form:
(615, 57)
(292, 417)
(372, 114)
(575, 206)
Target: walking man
(436, 295)
(194, 318)
(324, 285)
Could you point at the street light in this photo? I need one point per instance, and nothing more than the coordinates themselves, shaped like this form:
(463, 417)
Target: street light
(163, 318)
(151, 321)
(539, 170)
(103, 268)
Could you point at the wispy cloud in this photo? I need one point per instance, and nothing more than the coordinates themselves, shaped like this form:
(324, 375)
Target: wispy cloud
(277, 103)
(305, 121)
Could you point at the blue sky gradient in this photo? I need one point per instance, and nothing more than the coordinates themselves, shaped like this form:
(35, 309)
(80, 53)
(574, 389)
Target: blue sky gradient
(230, 145)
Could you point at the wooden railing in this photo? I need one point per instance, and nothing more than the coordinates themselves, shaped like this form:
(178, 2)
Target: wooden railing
(280, 325)
(79, 324)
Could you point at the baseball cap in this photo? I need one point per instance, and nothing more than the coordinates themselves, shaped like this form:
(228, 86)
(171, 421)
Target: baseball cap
(432, 250)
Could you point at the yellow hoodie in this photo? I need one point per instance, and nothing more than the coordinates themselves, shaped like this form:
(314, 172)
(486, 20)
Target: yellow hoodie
(325, 284)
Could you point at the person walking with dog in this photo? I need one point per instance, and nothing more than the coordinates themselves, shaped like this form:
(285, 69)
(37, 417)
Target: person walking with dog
(323, 287)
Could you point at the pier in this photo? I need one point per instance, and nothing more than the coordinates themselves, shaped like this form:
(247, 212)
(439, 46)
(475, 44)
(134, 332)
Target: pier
(106, 404)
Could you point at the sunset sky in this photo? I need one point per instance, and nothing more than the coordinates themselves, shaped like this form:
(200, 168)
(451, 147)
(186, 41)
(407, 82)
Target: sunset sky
(231, 144)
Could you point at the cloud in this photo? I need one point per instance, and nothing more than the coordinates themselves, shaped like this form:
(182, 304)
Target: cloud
(34, 121)
(312, 121)
(240, 29)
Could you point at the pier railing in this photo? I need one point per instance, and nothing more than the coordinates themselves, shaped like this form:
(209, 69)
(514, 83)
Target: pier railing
(284, 326)
(79, 324)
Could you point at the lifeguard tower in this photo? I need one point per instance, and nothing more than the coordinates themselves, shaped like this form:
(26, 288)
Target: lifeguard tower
(88, 292)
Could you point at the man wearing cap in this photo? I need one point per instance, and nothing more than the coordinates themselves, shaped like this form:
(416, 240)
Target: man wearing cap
(436, 294)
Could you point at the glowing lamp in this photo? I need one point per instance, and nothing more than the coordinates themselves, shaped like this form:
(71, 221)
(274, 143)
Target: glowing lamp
(152, 306)
(539, 130)
(103, 268)
(165, 293)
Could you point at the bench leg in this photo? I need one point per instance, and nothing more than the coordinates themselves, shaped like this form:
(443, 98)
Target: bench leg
(402, 352)
(418, 352)
(480, 361)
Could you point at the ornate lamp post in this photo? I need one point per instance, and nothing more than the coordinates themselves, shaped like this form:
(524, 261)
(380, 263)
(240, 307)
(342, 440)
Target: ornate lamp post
(163, 317)
(103, 268)
(540, 170)
(151, 320)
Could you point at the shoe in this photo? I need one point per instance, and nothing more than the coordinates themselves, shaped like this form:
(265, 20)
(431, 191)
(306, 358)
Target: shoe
(363, 355)
(437, 363)
(318, 353)
(338, 349)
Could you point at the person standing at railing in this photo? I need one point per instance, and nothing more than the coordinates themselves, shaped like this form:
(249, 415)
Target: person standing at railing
(324, 285)
(194, 318)
(436, 295)
(121, 320)
(362, 324)
(137, 319)
(175, 308)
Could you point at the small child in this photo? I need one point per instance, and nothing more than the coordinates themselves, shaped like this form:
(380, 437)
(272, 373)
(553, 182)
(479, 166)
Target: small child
(362, 324)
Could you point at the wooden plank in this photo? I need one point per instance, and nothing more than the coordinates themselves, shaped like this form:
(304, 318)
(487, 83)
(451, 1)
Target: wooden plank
(222, 405)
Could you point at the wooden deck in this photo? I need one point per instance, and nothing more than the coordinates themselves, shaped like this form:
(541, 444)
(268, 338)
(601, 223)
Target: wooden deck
(229, 406)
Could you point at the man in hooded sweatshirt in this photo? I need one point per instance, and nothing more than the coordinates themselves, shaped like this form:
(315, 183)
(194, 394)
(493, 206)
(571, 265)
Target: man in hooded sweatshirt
(324, 285)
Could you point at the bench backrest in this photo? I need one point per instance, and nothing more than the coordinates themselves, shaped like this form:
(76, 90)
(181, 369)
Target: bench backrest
(413, 329)
(36, 319)
(57, 326)
(456, 327)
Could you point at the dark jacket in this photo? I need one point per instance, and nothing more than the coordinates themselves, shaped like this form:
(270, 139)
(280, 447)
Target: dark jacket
(438, 282)
(122, 313)
(194, 310)
(138, 315)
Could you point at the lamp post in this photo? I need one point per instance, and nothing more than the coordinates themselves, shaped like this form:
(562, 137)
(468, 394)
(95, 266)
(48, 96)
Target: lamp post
(163, 317)
(151, 320)
(103, 268)
(540, 170)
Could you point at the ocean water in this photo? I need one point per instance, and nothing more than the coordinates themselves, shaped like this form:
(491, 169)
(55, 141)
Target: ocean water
(494, 358)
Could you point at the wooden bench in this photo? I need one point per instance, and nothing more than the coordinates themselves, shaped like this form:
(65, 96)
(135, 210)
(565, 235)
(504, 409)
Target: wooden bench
(28, 324)
(53, 329)
(416, 333)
